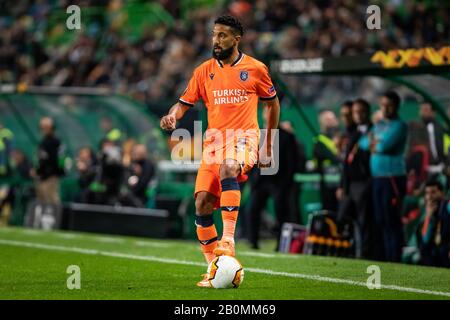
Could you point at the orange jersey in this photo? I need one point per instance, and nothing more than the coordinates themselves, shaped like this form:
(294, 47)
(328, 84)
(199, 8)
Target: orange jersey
(230, 92)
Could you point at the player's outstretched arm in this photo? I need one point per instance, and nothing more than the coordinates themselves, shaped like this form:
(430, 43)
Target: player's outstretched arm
(273, 117)
(176, 112)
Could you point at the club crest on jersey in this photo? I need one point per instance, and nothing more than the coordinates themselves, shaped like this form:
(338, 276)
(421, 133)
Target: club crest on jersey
(211, 75)
(244, 75)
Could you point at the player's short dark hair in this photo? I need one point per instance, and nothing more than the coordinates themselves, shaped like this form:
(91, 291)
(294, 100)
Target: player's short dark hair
(232, 22)
(393, 97)
(433, 182)
(363, 102)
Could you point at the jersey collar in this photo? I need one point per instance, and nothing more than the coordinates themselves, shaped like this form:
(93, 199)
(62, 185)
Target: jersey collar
(238, 59)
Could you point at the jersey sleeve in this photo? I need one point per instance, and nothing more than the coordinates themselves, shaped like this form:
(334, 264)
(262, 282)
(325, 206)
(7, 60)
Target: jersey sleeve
(264, 87)
(192, 93)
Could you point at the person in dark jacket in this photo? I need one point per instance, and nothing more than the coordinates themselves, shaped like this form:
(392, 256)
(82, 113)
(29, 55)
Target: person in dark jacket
(356, 180)
(435, 134)
(141, 172)
(346, 117)
(87, 169)
(300, 155)
(49, 168)
(279, 186)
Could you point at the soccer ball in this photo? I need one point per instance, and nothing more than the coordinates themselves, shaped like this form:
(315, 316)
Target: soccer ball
(225, 272)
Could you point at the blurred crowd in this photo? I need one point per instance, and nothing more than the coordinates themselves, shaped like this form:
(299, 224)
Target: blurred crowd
(158, 64)
(119, 173)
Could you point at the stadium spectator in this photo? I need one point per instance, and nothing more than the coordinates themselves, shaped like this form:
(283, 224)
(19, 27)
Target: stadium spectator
(388, 168)
(86, 164)
(346, 117)
(6, 145)
(110, 133)
(349, 128)
(418, 156)
(141, 172)
(435, 137)
(279, 186)
(21, 164)
(153, 66)
(127, 149)
(19, 185)
(326, 158)
(49, 168)
(110, 178)
(296, 214)
(356, 179)
(434, 230)
(6, 190)
(377, 116)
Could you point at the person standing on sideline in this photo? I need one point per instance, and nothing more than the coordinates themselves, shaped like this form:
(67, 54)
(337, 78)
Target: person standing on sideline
(326, 158)
(435, 133)
(279, 186)
(356, 179)
(388, 168)
(49, 169)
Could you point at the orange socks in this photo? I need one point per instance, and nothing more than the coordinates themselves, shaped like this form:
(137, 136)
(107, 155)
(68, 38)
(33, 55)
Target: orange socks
(207, 236)
(206, 231)
(229, 204)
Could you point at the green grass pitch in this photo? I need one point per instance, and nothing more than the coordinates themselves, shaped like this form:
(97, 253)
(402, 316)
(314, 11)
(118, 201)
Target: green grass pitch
(33, 265)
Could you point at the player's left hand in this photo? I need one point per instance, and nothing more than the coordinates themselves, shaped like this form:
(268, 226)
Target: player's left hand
(168, 122)
(265, 157)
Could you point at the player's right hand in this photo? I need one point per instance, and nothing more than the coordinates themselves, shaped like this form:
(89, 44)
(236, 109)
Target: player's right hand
(168, 122)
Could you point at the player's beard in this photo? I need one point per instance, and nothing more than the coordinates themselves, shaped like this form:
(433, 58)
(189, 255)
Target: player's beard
(223, 54)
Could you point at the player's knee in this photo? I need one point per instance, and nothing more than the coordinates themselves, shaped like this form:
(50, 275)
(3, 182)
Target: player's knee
(204, 204)
(229, 169)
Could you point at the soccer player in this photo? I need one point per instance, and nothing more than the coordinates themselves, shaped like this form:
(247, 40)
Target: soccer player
(230, 84)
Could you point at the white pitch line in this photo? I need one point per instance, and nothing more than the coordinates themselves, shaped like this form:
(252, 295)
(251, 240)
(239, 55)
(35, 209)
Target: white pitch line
(256, 254)
(108, 239)
(31, 232)
(66, 235)
(104, 239)
(200, 264)
(97, 252)
(151, 244)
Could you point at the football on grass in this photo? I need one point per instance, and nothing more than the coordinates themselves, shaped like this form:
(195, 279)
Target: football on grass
(225, 272)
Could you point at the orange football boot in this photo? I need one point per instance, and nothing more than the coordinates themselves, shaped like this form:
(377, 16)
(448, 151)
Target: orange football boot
(225, 247)
(205, 282)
